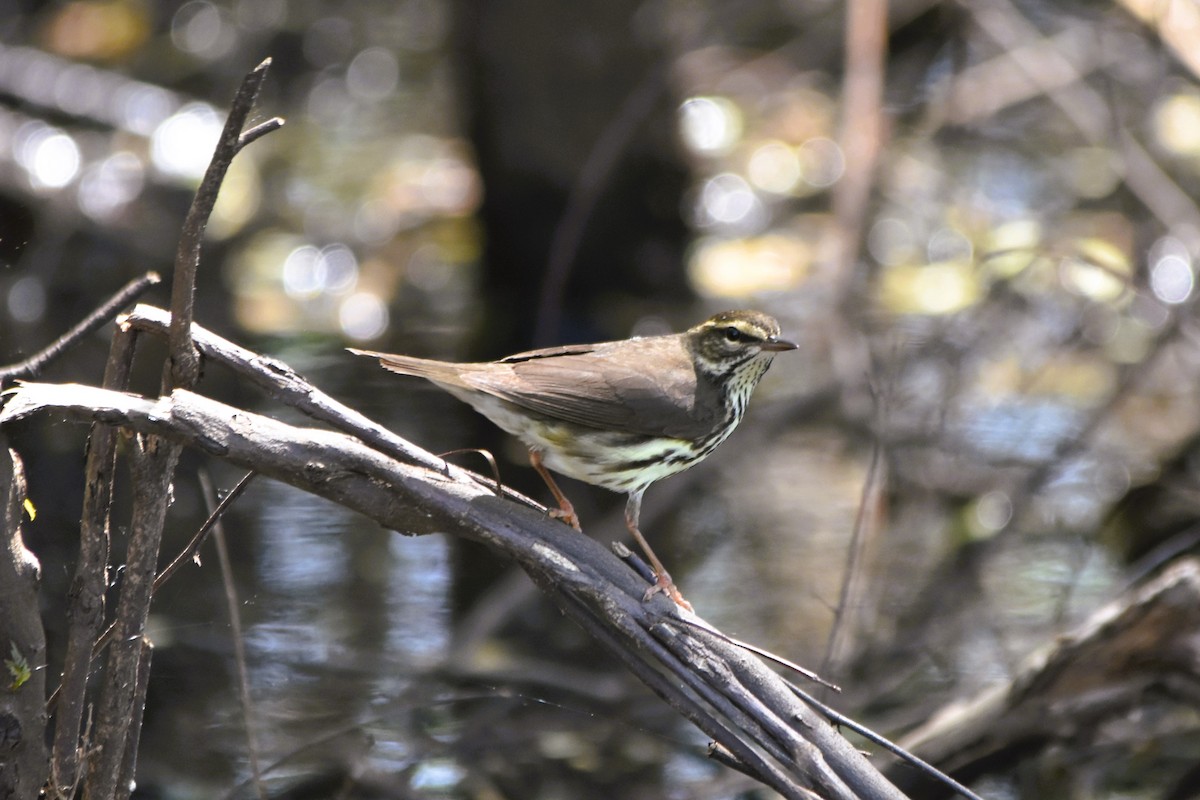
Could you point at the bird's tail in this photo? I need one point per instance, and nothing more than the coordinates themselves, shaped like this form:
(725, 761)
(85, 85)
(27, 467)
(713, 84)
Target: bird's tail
(440, 371)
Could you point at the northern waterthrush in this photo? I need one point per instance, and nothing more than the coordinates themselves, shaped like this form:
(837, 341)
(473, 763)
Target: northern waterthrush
(622, 414)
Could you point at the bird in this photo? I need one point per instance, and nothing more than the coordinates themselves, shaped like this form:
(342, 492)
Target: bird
(621, 414)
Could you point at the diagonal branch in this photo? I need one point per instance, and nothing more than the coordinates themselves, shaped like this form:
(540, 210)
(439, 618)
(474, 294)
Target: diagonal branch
(32, 366)
(727, 692)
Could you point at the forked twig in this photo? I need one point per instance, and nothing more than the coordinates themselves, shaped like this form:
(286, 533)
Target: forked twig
(184, 360)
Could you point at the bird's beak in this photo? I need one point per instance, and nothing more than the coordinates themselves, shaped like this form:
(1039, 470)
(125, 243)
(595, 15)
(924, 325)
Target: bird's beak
(777, 345)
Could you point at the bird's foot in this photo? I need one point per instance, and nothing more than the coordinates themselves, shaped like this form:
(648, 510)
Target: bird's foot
(664, 584)
(567, 515)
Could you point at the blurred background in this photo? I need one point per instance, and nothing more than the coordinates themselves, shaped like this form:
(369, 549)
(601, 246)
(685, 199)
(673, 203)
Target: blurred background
(977, 218)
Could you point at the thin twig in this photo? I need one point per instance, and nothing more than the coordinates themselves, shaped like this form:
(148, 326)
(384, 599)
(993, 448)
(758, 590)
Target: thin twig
(235, 629)
(841, 720)
(260, 130)
(487, 456)
(852, 575)
(762, 653)
(98, 643)
(32, 366)
(210, 524)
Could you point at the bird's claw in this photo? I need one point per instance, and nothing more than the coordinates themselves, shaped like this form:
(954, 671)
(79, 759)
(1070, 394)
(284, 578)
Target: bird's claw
(566, 515)
(663, 583)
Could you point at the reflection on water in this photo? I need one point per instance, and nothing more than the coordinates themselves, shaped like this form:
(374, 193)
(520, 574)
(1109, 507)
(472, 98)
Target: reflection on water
(330, 580)
(339, 617)
(418, 601)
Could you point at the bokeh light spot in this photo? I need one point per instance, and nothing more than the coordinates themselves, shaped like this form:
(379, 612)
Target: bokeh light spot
(1172, 279)
(821, 162)
(774, 167)
(1177, 123)
(744, 267)
(373, 74)
(1011, 247)
(948, 244)
(363, 316)
(728, 200)
(109, 185)
(301, 278)
(183, 144)
(200, 28)
(710, 125)
(144, 107)
(991, 513)
(933, 289)
(49, 156)
(27, 299)
(891, 242)
(1091, 172)
(309, 272)
(1100, 270)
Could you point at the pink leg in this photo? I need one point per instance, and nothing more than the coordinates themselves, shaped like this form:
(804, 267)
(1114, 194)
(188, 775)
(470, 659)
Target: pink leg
(662, 580)
(565, 511)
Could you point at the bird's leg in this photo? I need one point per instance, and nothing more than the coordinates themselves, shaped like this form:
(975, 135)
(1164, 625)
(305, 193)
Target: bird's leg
(565, 511)
(662, 579)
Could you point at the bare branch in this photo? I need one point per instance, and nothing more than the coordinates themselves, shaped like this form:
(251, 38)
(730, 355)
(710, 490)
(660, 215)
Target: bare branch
(23, 764)
(85, 600)
(729, 693)
(133, 733)
(184, 363)
(120, 707)
(32, 366)
(258, 131)
(1145, 639)
(280, 382)
(211, 524)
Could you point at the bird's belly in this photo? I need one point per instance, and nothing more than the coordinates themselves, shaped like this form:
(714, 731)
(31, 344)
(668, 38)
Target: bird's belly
(620, 461)
(616, 461)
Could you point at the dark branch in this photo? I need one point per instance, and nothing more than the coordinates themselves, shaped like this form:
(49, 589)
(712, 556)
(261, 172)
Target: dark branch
(23, 763)
(729, 693)
(89, 585)
(184, 362)
(33, 366)
(280, 382)
(258, 131)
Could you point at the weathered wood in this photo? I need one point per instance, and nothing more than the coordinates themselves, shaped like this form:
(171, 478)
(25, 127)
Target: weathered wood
(85, 598)
(728, 693)
(23, 762)
(1143, 640)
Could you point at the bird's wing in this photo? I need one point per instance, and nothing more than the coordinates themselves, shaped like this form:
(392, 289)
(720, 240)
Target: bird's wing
(605, 386)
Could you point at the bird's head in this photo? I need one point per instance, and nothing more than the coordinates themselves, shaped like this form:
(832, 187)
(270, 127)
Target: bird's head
(736, 342)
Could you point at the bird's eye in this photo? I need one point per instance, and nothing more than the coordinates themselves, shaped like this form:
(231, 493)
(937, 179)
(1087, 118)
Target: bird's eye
(732, 334)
